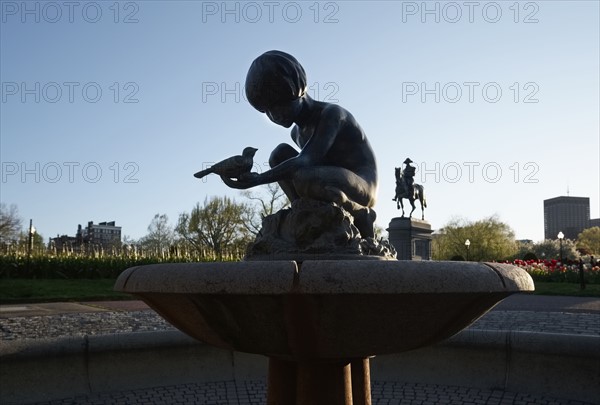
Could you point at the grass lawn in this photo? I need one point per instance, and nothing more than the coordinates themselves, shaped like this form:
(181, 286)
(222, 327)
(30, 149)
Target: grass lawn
(19, 291)
(41, 290)
(570, 289)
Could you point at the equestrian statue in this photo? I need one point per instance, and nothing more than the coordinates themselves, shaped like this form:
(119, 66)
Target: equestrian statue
(406, 188)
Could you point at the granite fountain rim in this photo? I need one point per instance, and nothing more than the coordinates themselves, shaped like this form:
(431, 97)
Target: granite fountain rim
(325, 277)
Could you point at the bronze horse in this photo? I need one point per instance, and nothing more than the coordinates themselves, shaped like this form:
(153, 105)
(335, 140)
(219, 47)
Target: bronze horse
(402, 192)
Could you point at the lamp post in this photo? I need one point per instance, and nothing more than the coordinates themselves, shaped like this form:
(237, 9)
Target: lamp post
(468, 245)
(30, 235)
(30, 244)
(560, 237)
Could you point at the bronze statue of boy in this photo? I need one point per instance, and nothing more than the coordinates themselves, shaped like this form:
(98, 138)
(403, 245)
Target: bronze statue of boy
(335, 163)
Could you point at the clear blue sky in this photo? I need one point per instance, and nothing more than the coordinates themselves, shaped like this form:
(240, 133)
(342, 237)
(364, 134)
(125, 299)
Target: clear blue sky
(109, 108)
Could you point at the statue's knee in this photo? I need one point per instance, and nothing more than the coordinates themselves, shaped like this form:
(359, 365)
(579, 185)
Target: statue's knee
(281, 153)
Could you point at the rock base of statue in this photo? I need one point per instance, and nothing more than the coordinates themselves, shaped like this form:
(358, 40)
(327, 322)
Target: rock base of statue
(312, 229)
(411, 238)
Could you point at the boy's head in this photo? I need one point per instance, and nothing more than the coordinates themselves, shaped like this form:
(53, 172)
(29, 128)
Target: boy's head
(274, 78)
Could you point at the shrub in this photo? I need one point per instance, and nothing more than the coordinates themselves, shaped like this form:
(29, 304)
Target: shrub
(74, 266)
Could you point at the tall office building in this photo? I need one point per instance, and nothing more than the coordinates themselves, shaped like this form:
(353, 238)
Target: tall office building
(569, 215)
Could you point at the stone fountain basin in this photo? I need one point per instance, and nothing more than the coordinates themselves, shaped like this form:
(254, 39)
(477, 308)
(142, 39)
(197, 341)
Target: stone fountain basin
(321, 309)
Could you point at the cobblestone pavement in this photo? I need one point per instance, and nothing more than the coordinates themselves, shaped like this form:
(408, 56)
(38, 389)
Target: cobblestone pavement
(80, 324)
(98, 323)
(254, 393)
(548, 322)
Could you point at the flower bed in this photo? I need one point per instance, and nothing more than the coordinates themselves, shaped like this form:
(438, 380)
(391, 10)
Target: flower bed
(556, 271)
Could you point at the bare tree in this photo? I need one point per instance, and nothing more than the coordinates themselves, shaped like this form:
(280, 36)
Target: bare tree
(216, 225)
(269, 202)
(160, 235)
(10, 222)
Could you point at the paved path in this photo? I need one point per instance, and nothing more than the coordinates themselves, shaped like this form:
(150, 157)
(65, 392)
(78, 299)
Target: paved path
(516, 302)
(254, 393)
(568, 315)
(548, 303)
(564, 315)
(59, 308)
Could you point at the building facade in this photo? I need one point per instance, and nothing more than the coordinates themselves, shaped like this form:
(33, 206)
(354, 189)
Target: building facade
(103, 235)
(569, 215)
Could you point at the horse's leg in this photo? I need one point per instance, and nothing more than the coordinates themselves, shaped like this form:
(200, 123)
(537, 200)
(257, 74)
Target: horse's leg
(401, 205)
(412, 203)
(420, 198)
(397, 197)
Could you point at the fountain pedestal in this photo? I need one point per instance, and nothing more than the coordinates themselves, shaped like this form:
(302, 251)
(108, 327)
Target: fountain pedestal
(306, 382)
(319, 321)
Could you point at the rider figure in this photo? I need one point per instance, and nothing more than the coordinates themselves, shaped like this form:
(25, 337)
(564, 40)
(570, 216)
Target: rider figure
(408, 174)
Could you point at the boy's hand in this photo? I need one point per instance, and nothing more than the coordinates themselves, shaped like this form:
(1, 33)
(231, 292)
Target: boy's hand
(246, 180)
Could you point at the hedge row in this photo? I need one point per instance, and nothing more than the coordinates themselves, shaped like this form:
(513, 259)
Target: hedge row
(72, 267)
(82, 267)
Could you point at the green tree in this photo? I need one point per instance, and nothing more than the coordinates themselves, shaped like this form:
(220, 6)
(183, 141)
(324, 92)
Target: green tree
(160, 235)
(550, 249)
(588, 241)
(380, 232)
(524, 249)
(216, 225)
(490, 239)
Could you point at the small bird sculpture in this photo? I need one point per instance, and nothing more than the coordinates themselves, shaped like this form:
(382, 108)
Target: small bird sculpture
(232, 167)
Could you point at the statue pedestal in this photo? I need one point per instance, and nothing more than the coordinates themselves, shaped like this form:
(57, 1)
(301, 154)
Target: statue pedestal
(411, 238)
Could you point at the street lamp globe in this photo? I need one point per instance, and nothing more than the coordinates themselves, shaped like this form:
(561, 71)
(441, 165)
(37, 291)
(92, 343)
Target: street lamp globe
(560, 237)
(467, 244)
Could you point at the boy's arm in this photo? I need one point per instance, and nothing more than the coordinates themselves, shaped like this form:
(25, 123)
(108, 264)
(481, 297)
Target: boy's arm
(325, 134)
(283, 171)
(313, 153)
